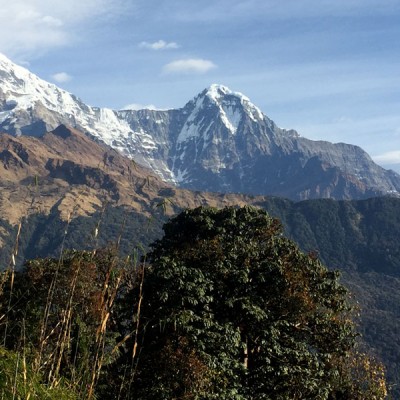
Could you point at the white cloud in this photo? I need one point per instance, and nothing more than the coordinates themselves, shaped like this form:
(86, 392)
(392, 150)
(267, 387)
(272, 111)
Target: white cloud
(61, 77)
(390, 157)
(138, 106)
(189, 66)
(159, 45)
(31, 26)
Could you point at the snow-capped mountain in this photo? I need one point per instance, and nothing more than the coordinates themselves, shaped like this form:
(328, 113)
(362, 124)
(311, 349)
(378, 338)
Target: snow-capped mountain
(32, 106)
(219, 141)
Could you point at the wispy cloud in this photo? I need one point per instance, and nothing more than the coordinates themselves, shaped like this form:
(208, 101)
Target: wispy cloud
(61, 77)
(322, 80)
(273, 9)
(189, 66)
(159, 45)
(390, 157)
(30, 26)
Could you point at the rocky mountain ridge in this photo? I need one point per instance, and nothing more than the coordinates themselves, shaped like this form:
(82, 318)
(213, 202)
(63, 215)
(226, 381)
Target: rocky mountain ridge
(219, 141)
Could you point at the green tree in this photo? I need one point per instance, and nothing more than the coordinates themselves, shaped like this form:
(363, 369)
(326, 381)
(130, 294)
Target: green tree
(234, 310)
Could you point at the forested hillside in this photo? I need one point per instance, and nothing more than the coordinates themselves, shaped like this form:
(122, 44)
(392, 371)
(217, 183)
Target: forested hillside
(360, 238)
(350, 235)
(223, 306)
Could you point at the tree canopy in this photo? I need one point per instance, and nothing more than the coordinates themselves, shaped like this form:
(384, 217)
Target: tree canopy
(234, 310)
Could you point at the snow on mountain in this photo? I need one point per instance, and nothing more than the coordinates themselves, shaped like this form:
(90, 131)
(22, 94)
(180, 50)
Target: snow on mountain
(30, 105)
(230, 108)
(227, 101)
(219, 141)
(25, 90)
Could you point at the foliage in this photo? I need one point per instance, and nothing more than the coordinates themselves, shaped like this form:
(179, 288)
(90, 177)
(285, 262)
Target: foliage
(18, 381)
(259, 318)
(366, 377)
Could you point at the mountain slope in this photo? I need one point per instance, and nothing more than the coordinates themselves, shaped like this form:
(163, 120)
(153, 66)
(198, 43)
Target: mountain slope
(65, 172)
(219, 141)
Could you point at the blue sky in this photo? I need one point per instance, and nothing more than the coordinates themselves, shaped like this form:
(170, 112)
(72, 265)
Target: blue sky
(329, 69)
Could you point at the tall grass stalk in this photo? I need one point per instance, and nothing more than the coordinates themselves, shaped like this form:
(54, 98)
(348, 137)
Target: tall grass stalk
(138, 312)
(14, 390)
(49, 301)
(109, 294)
(63, 340)
(11, 271)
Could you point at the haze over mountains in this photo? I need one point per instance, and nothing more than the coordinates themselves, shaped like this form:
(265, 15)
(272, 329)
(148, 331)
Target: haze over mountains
(219, 141)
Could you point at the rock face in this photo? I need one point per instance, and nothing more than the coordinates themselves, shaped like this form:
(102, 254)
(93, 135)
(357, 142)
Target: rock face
(219, 141)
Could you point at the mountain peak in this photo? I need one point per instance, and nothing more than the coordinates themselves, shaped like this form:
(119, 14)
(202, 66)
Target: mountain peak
(228, 100)
(217, 91)
(217, 103)
(24, 89)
